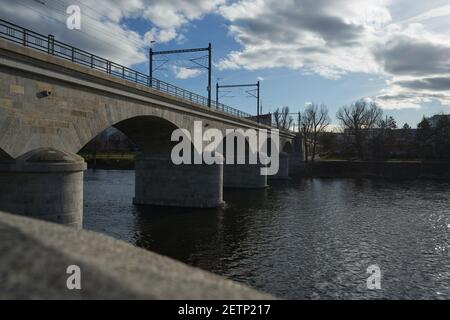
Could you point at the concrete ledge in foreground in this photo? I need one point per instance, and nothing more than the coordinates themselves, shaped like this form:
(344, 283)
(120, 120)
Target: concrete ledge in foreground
(35, 256)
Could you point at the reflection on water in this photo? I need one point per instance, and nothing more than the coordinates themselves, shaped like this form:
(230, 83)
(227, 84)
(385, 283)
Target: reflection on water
(299, 239)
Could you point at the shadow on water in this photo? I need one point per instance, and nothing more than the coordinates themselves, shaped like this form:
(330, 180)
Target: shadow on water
(200, 237)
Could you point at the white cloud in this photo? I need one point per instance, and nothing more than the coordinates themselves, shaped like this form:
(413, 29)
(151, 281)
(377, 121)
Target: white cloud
(433, 13)
(418, 63)
(104, 31)
(330, 38)
(406, 92)
(333, 38)
(186, 73)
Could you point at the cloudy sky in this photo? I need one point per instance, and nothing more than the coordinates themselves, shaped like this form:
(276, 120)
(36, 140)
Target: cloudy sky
(396, 52)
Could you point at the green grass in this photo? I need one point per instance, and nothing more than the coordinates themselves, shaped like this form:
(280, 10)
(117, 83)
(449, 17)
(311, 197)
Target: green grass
(354, 159)
(109, 156)
(332, 159)
(406, 160)
(393, 160)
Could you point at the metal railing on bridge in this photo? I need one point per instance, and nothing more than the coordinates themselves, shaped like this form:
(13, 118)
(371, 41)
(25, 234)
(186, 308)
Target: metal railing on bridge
(50, 45)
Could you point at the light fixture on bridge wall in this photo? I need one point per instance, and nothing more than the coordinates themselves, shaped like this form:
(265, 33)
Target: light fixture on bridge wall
(43, 94)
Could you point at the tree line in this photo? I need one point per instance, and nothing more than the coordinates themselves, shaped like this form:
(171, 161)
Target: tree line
(366, 134)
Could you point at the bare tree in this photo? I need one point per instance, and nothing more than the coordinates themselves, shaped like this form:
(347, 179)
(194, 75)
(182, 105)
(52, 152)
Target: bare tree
(277, 117)
(314, 121)
(282, 118)
(359, 119)
(305, 129)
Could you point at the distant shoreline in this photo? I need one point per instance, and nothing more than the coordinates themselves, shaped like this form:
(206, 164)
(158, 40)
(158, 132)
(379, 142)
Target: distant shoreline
(398, 169)
(110, 161)
(376, 170)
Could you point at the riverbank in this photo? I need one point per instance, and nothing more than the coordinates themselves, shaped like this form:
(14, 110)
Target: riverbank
(110, 161)
(394, 169)
(376, 170)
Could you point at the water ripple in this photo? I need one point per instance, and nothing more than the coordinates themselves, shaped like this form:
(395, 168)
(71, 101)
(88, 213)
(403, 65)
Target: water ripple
(311, 239)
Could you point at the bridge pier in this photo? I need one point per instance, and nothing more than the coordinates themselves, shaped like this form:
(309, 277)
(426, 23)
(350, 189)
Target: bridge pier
(45, 184)
(162, 183)
(295, 161)
(244, 176)
(283, 171)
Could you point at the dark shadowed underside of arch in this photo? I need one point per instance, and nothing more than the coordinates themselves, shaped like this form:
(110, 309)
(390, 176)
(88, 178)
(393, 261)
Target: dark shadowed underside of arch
(149, 134)
(288, 147)
(4, 155)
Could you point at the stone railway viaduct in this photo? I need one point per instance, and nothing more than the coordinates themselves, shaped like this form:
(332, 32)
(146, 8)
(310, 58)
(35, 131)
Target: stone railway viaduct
(50, 108)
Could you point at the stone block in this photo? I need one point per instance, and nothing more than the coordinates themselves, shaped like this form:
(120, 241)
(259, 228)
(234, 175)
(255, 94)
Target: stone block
(16, 89)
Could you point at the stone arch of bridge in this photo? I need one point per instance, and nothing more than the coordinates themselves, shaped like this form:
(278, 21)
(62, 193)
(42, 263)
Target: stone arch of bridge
(288, 148)
(150, 134)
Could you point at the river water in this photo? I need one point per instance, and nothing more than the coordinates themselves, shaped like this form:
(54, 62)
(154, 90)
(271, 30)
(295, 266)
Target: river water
(301, 239)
